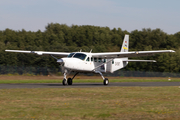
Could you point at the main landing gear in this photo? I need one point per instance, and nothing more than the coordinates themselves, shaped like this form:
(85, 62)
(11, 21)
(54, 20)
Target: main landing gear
(105, 80)
(68, 81)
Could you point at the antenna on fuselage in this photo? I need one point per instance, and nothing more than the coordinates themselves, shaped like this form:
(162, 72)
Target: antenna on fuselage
(80, 50)
(90, 50)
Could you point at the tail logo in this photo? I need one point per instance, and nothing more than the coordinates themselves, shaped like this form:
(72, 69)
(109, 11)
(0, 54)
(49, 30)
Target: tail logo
(125, 48)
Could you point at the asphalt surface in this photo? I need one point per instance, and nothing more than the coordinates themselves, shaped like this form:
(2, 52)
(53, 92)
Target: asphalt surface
(85, 85)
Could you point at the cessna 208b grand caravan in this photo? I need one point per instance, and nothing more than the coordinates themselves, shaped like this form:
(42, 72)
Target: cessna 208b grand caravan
(95, 62)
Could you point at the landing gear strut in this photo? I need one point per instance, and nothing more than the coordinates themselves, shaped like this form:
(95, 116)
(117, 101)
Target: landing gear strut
(64, 82)
(68, 81)
(105, 80)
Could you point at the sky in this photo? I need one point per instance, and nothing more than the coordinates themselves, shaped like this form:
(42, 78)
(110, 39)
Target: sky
(130, 15)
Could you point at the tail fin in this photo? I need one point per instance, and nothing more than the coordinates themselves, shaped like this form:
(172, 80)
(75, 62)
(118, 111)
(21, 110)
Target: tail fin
(121, 62)
(125, 45)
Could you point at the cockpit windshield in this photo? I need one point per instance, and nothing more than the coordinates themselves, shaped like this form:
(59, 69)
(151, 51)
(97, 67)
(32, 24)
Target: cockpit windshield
(80, 56)
(77, 55)
(70, 55)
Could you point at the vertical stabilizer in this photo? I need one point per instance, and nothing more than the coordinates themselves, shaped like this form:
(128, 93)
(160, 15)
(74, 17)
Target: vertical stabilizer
(125, 45)
(120, 63)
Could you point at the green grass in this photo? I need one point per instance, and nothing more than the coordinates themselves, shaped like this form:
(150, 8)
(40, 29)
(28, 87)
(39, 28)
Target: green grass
(128, 103)
(88, 80)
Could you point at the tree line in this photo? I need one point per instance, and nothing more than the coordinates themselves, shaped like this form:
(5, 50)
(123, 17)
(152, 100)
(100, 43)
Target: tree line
(63, 38)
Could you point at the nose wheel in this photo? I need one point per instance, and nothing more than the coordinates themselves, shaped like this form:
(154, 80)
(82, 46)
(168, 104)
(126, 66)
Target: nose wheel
(68, 81)
(64, 82)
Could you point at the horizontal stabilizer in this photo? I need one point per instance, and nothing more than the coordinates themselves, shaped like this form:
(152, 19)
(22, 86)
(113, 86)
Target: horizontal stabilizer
(139, 60)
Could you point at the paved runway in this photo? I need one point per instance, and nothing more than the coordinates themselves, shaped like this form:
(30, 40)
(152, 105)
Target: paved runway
(85, 85)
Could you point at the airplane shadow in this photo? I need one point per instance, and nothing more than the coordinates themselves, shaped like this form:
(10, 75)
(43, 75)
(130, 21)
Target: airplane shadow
(76, 84)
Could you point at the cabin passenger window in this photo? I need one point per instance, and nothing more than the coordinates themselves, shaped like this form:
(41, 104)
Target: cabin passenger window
(95, 59)
(113, 61)
(99, 59)
(103, 60)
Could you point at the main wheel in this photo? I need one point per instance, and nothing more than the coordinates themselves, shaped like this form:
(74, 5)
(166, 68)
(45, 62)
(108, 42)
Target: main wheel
(64, 82)
(70, 81)
(106, 81)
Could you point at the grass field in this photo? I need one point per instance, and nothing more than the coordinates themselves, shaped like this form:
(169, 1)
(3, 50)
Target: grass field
(125, 103)
(91, 103)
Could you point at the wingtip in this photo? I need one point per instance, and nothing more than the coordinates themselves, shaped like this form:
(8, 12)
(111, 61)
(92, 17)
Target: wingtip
(7, 50)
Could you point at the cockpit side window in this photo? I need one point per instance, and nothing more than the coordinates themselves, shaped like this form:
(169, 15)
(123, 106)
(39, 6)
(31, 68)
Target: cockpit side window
(91, 59)
(70, 55)
(87, 59)
(80, 56)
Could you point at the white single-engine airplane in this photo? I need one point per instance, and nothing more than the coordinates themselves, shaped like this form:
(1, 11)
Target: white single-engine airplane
(95, 62)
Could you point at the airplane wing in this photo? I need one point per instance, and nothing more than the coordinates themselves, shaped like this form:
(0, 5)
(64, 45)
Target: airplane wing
(129, 54)
(61, 54)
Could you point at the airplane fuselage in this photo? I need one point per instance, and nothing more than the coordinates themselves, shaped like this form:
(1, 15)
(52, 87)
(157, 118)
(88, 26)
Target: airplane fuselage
(76, 64)
(84, 62)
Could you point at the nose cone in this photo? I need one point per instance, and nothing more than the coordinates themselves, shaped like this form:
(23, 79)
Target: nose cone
(60, 61)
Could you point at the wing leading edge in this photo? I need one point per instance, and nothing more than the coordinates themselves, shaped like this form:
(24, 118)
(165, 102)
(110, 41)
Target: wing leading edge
(62, 54)
(129, 54)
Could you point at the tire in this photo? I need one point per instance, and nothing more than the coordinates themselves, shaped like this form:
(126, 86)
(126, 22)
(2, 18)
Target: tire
(106, 81)
(64, 82)
(69, 81)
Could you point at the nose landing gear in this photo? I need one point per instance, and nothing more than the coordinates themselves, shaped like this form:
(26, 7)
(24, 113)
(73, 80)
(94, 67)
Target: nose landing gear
(64, 82)
(68, 81)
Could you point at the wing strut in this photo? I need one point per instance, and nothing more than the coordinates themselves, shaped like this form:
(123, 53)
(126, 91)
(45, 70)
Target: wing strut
(54, 57)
